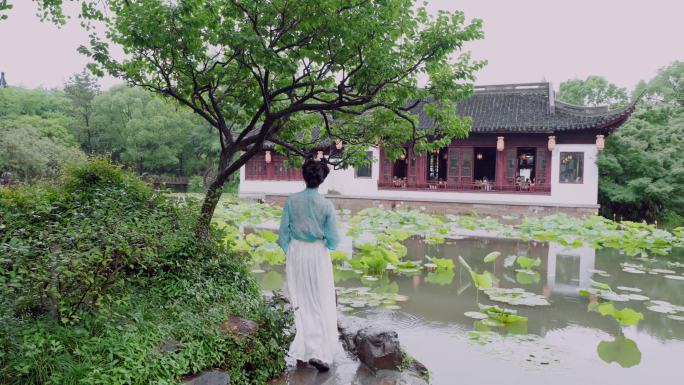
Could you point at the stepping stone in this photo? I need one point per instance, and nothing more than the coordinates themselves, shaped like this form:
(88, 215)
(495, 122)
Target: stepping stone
(210, 377)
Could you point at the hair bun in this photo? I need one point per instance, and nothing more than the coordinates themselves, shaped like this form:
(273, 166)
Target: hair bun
(314, 172)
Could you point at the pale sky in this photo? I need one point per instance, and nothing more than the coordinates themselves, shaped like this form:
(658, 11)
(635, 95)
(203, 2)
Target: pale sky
(525, 41)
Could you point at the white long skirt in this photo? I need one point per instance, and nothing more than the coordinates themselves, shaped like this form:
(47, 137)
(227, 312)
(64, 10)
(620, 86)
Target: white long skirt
(311, 289)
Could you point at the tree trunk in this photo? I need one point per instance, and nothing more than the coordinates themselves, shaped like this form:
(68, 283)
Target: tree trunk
(208, 206)
(211, 199)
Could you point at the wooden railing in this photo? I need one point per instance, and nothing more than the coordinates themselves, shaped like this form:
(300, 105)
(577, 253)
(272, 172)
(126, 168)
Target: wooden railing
(479, 187)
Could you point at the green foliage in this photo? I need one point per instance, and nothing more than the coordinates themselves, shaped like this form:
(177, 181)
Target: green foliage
(642, 165)
(445, 264)
(4, 6)
(504, 316)
(528, 263)
(593, 91)
(41, 130)
(631, 237)
(440, 277)
(482, 281)
(82, 89)
(624, 317)
(642, 170)
(148, 134)
(67, 247)
(339, 256)
(35, 141)
(491, 257)
(98, 272)
(279, 70)
(665, 92)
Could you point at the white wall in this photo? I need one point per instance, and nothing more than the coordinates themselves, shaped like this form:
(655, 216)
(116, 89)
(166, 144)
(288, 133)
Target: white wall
(348, 185)
(584, 193)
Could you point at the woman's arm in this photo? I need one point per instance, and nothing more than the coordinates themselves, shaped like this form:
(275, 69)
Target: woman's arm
(332, 237)
(284, 233)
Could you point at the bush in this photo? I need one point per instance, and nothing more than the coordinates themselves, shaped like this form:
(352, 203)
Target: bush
(196, 184)
(96, 273)
(66, 247)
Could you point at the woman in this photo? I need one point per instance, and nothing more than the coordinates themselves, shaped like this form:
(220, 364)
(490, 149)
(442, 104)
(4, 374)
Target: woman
(307, 232)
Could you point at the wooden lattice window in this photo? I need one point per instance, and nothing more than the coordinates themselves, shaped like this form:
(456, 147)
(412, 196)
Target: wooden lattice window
(467, 163)
(541, 165)
(511, 164)
(453, 164)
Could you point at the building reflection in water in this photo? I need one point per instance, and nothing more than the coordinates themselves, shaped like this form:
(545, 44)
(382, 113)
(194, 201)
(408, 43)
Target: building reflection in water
(568, 269)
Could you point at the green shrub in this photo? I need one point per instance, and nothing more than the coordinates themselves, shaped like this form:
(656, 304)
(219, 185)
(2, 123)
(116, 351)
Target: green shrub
(96, 273)
(69, 246)
(196, 184)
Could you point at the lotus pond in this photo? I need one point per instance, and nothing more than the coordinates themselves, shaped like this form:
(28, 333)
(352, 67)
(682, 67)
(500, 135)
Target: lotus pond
(552, 300)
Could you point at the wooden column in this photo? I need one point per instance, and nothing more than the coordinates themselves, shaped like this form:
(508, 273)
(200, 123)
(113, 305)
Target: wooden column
(500, 173)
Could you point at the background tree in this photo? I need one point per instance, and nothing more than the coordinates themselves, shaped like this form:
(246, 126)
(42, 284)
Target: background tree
(82, 88)
(642, 171)
(593, 91)
(35, 137)
(642, 167)
(261, 71)
(666, 90)
(151, 135)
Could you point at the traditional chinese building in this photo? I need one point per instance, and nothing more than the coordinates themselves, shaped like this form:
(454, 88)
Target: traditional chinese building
(527, 152)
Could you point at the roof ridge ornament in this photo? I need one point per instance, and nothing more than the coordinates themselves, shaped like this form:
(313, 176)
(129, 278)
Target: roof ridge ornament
(3, 82)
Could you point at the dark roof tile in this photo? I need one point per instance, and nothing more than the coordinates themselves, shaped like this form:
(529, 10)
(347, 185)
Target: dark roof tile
(529, 107)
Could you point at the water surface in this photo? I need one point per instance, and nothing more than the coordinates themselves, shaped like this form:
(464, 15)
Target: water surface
(560, 343)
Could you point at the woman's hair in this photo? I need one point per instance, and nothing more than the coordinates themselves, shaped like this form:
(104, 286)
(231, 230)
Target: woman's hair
(314, 172)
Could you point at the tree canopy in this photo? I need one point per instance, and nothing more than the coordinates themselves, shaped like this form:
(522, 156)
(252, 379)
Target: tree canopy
(45, 129)
(292, 73)
(151, 135)
(592, 91)
(35, 140)
(642, 166)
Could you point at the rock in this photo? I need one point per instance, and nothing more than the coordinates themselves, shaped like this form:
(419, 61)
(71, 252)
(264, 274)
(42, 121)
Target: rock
(380, 352)
(238, 326)
(418, 368)
(170, 346)
(365, 376)
(378, 349)
(209, 377)
(348, 326)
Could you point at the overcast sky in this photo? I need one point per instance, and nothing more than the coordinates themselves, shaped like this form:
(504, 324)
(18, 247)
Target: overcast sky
(525, 41)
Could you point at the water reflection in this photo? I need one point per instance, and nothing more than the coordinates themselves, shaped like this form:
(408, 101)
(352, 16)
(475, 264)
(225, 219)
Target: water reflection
(569, 269)
(621, 350)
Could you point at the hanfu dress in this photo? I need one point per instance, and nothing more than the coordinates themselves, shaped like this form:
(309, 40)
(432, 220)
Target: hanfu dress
(308, 230)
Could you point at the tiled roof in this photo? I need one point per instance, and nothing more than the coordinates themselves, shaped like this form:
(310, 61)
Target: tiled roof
(529, 107)
(525, 108)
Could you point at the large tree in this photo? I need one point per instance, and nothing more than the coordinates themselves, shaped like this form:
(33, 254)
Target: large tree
(642, 167)
(592, 91)
(82, 88)
(35, 139)
(666, 89)
(294, 73)
(150, 134)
